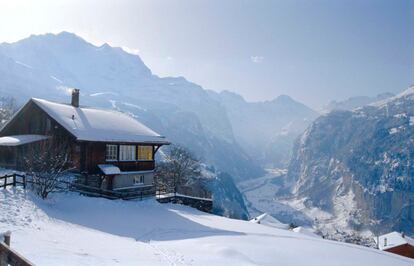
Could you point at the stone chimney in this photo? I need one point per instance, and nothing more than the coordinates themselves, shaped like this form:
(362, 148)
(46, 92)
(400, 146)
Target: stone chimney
(75, 97)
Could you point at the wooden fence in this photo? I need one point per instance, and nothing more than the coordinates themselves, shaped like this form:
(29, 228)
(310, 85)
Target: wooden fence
(16, 179)
(202, 204)
(8, 256)
(136, 193)
(161, 193)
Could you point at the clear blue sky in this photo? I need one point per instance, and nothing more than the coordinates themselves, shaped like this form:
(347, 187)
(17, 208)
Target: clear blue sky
(314, 51)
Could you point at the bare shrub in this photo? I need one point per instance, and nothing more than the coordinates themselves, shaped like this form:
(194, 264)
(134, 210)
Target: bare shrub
(179, 170)
(47, 163)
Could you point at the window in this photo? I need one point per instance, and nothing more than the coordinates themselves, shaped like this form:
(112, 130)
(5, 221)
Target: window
(139, 180)
(145, 153)
(111, 152)
(127, 153)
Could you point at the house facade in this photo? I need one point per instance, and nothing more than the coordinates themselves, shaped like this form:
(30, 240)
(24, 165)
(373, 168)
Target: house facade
(103, 143)
(397, 243)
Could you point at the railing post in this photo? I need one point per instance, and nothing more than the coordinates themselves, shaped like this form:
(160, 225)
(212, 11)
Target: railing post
(5, 181)
(24, 181)
(4, 258)
(14, 179)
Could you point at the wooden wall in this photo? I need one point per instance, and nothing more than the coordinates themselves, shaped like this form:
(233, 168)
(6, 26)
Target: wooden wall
(403, 250)
(33, 120)
(95, 152)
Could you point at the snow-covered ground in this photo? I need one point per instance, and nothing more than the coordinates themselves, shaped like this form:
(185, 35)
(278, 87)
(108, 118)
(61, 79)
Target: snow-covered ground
(69, 229)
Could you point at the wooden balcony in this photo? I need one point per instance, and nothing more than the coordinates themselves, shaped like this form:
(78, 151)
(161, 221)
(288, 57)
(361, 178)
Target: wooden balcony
(135, 166)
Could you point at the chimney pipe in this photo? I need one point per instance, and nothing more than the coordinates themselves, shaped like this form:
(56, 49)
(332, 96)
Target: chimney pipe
(75, 98)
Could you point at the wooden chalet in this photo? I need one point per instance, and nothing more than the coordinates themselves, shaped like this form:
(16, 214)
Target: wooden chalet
(396, 243)
(102, 143)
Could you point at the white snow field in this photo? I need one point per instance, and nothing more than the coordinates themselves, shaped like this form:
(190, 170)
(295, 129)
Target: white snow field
(69, 229)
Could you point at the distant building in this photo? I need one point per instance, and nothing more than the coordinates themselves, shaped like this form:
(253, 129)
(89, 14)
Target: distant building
(397, 243)
(105, 143)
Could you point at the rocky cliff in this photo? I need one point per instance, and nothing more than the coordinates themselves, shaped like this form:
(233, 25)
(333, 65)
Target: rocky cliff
(357, 167)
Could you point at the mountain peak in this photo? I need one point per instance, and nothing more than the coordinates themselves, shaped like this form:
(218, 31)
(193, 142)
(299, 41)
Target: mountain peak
(283, 98)
(78, 63)
(61, 36)
(232, 95)
(66, 34)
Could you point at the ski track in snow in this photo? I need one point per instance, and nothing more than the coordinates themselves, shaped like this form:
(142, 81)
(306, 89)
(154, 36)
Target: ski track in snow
(174, 258)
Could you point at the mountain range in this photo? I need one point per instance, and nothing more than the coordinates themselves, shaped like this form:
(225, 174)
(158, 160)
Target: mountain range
(355, 102)
(221, 128)
(266, 130)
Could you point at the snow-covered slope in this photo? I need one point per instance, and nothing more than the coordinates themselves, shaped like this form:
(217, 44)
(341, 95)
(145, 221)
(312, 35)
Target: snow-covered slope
(75, 230)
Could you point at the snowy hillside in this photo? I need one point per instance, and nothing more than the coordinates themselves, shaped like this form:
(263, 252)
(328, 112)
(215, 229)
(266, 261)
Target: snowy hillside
(75, 230)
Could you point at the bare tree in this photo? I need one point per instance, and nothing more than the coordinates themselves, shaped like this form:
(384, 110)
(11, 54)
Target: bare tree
(179, 168)
(47, 163)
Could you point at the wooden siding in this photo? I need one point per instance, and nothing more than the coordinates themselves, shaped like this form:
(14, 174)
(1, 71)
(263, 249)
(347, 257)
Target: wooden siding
(33, 120)
(94, 153)
(403, 250)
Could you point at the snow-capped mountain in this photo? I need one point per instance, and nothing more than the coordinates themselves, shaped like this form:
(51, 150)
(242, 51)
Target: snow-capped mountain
(266, 129)
(48, 65)
(355, 169)
(235, 136)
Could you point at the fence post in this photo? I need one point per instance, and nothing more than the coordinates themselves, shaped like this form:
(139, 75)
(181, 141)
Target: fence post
(24, 181)
(5, 181)
(7, 237)
(14, 179)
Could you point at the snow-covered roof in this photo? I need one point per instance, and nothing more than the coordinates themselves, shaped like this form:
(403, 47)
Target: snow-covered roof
(266, 219)
(20, 139)
(92, 124)
(305, 231)
(109, 169)
(393, 239)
